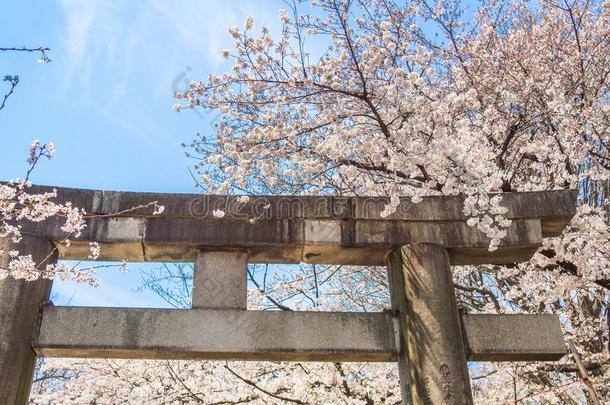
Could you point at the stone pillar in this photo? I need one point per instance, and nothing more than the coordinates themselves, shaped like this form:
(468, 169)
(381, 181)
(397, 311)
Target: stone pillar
(220, 280)
(20, 302)
(432, 362)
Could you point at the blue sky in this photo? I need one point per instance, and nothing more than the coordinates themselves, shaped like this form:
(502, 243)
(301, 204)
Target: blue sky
(106, 98)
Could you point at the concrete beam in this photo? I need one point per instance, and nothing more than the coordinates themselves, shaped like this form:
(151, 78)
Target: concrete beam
(215, 335)
(309, 229)
(491, 337)
(273, 336)
(289, 241)
(549, 206)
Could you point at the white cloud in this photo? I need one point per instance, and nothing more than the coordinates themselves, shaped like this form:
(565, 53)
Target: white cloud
(90, 32)
(80, 17)
(121, 37)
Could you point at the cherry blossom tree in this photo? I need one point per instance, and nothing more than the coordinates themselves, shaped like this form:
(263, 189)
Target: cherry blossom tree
(376, 97)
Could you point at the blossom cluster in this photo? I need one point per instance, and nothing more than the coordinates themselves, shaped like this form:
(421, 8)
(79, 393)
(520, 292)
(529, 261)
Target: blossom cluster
(20, 204)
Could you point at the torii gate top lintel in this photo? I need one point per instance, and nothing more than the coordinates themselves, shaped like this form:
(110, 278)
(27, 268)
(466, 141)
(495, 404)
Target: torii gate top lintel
(302, 229)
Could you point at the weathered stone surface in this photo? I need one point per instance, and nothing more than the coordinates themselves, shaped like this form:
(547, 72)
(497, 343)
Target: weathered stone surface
(220, 280)
(531, 337)
(290, 241)
(386, 234)
(432, 345)
(20, 301)
(256, 335)
(313, 229)
(216, 334)
(543, 204)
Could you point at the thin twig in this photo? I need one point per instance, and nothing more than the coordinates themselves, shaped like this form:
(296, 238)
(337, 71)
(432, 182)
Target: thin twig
(14, 80)
(24, 49)
(583, 374)
(252, 384)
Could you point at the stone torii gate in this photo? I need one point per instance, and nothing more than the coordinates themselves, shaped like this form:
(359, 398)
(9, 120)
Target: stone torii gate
(424, 332)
